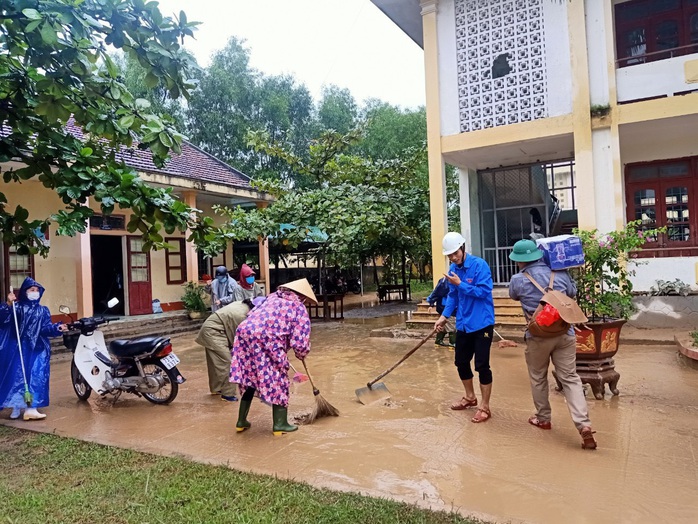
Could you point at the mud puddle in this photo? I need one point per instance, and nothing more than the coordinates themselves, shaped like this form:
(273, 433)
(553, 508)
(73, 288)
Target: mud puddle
(413, 447)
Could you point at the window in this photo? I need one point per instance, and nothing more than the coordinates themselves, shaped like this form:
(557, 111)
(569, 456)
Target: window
(561, 183)
(17, 267)
(208, 265)
(176, 261)
(649, 30)
(662, 194)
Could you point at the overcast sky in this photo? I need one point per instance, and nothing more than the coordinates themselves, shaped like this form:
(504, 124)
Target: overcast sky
(348, 43)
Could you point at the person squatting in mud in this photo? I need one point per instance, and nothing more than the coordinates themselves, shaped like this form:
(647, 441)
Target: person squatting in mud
(470, 297)
(561, 349)
(259, 362)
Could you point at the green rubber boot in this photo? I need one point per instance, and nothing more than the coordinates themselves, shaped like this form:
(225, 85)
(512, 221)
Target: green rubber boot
(243, 423)
(452, 339)
(439, 341)
(281, 424)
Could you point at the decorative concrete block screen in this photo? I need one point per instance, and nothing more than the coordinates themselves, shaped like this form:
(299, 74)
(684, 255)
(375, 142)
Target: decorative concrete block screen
(502, 77)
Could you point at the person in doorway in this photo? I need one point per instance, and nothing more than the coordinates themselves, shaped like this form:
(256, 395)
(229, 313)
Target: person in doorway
(222, 289)
(437, 299)
(33, 322)
(470, 297)
(259, 362)
(217, 335)
(540, 351)
(247, 287)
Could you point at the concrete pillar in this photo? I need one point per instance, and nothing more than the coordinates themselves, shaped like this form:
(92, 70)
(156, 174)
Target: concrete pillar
(264, 256)
(581, 117)
(83, 276)
(192, 262)
(437, 171)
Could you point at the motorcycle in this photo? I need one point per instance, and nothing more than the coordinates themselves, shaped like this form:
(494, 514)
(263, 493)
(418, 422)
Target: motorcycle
(144, 366)
(354, 285)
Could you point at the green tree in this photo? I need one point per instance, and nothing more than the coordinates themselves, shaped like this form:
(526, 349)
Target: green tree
(233, 98)
(365, 207)
(133, 76)
(54, 66)
(337, 110)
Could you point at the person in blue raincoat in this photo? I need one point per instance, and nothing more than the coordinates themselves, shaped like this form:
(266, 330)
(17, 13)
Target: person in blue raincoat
(35, 329)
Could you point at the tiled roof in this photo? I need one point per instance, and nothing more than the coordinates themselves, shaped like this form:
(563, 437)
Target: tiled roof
(192, 163)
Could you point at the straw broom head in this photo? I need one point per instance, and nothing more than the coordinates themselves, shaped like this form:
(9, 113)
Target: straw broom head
(322, 407)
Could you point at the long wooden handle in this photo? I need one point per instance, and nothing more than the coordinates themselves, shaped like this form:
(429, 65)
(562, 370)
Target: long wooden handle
(407, 355)
(316, 391)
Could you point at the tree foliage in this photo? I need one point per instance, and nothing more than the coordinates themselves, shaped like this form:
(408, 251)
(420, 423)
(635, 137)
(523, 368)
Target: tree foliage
(233, 98)
(365, 207)
(54, 66)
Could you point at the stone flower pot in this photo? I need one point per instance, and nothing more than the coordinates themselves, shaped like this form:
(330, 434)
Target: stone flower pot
(599, 340)
(596, 345)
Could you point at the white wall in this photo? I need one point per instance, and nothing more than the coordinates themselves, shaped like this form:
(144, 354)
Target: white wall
(448, 72)
(597, 51)
(557, 58)
(663, 77)
(649, 270)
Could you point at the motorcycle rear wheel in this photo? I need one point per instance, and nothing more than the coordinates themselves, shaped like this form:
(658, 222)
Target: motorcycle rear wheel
(80, 386)
(169, 391)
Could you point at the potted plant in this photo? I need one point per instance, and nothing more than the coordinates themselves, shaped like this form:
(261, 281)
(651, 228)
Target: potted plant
(604, 288)
(193, 299)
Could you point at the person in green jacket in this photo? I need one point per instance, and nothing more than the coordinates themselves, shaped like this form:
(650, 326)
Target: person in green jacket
(217, 335)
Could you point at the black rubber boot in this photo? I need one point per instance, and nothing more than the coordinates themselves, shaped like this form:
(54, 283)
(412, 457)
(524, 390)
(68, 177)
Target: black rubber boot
(281, 424)
(243, 423)
(439, 341)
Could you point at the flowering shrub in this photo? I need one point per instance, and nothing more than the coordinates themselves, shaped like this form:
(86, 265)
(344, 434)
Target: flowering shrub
(604, 289)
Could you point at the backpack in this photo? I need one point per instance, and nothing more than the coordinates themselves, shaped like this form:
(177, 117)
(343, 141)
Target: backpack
(570, 312)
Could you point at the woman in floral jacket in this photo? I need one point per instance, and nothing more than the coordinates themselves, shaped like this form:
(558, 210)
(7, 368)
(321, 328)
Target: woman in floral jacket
(259, 363)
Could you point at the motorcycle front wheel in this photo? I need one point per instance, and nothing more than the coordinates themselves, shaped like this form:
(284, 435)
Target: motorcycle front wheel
(168, 392)
(80, 386)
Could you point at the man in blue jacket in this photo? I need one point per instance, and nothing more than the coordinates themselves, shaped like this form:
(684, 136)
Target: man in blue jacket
(470, 296)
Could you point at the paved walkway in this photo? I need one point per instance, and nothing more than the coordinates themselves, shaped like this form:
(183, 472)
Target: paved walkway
(414, 448)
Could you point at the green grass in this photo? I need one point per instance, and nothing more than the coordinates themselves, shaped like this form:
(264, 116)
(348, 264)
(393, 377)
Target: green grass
(49, 479)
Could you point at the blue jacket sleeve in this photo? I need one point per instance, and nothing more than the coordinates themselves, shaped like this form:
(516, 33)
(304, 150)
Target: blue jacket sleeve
(482, 285)
(48, 329)
(451, 302)
(515, 288)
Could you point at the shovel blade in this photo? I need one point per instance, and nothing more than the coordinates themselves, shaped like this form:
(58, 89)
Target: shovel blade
(375, 393)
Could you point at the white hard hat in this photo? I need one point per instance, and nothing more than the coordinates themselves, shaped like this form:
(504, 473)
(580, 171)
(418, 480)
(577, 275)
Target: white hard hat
(452, 242)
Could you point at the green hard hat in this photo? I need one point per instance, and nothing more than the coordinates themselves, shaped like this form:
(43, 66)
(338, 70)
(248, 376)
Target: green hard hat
(525, 251)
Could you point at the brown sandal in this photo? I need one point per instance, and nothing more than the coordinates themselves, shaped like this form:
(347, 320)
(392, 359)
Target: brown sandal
(464, 403)
(542, 424)
(588, 441)
(479, 418)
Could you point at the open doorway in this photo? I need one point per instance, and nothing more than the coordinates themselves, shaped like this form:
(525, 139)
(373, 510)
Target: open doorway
(107, 273)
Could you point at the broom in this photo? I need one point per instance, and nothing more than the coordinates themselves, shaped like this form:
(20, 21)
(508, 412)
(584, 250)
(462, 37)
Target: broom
(504, 343)
(28, 398)
(322, 407)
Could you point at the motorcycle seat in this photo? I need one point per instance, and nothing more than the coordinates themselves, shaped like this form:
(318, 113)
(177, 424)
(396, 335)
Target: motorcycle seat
(134, 347)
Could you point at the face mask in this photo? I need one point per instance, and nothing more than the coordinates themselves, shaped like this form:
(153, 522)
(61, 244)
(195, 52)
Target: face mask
(249, 280)
(221, 278)
(33, 295)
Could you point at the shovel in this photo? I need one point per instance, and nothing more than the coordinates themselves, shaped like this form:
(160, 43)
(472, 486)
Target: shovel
(374, 392)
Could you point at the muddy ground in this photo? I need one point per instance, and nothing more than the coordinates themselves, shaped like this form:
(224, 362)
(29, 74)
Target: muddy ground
(414, 448)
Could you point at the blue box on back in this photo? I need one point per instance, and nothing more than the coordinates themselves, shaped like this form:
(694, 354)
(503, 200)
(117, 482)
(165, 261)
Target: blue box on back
(562, 251)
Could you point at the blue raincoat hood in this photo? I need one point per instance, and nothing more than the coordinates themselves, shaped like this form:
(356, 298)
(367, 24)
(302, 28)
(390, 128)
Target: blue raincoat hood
(22, 293)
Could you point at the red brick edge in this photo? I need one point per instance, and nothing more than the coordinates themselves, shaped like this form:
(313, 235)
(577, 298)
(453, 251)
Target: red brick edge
(686, 351)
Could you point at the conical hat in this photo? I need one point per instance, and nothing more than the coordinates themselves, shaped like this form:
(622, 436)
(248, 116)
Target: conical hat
(302, 287)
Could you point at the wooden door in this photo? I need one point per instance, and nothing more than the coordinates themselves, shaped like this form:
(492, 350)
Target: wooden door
(139, 287)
